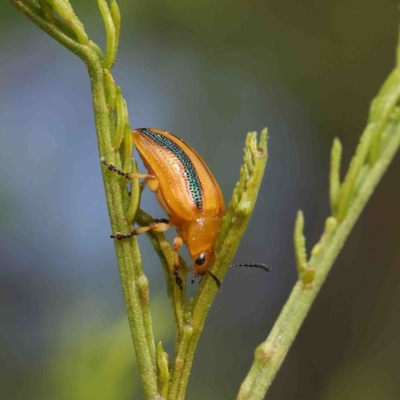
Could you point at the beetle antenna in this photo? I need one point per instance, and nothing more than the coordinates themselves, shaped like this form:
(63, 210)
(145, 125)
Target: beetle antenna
(217, 281)
(261, 266)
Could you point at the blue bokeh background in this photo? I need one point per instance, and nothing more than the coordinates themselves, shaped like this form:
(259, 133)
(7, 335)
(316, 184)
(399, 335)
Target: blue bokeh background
(209, 72)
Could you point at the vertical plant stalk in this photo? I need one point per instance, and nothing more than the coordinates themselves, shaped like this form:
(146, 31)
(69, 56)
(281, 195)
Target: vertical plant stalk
(233, 227)
(134, 282)
(377, 147)
(165, 253)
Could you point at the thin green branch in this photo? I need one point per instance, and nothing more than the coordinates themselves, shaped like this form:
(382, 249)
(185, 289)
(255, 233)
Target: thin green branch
(134, 283)
(233, 227)
(112, 31)
(360, 182)
(270, 354)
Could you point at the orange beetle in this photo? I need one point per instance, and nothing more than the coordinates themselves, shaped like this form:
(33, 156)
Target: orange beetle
(186, 190)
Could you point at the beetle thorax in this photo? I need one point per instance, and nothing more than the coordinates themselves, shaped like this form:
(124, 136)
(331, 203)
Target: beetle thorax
(200, 236)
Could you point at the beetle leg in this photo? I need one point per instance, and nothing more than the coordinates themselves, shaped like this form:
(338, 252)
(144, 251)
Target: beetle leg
(126, 175)
(178, 242)
(159, 225)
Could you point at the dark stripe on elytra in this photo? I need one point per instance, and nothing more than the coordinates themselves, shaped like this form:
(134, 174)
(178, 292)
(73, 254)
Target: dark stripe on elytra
(190, 172)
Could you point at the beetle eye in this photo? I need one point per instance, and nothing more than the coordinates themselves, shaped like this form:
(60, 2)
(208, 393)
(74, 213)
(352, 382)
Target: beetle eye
(200, 259)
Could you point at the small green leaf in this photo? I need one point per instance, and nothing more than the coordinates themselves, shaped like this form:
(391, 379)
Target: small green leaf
(121, 120)
(300, 244)
(336, 155)
(66, 12)
(134, 198)
(128, 142)
(116, 17)
(112, 40)
(163, 371)
(330, 225)
(111, 90)
(356, 165)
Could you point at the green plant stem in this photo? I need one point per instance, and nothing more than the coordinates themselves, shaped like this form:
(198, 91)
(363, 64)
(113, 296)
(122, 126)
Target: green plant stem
(233, 228)
(270, 354)
(165, 253)
(134, 282)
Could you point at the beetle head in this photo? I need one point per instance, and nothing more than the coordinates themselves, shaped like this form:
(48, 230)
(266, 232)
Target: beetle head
(202, 261)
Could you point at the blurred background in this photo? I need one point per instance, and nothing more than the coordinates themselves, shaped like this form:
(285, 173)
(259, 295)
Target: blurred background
(209, 72)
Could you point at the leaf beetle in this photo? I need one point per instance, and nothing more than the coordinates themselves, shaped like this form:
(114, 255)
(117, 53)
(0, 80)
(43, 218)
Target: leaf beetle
(187, 191)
